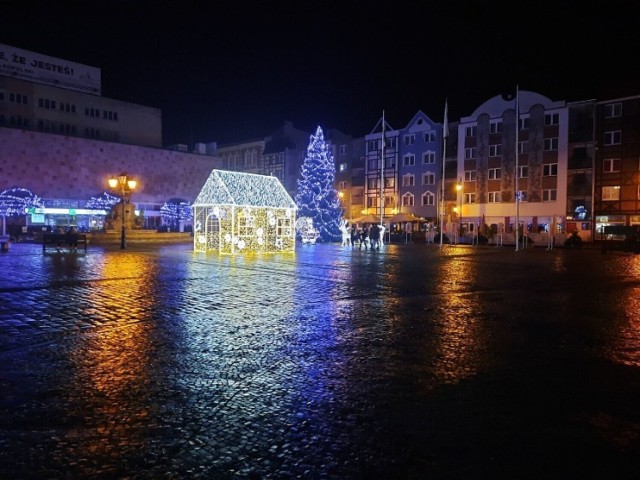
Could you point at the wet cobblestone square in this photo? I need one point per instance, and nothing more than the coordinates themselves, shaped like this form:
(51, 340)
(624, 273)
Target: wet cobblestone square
(413, 362)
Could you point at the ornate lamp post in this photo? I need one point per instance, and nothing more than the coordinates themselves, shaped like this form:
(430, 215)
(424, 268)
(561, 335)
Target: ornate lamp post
(126, 186)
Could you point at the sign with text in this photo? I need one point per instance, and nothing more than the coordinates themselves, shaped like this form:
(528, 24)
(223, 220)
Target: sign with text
(35, 67)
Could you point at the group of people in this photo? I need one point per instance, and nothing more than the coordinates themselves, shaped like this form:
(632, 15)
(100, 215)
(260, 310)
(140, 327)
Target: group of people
(369, 237)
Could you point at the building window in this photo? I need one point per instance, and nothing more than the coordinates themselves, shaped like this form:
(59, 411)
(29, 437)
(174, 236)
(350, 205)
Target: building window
(550, 170)
(521, 195)
(429, 199)
(342, 167)
(429, 178)
(409, 160)
(524, 123)
(495, 173)
(495, 150)
(47, 104)
(549, 195)
(407, 200)
(409, 139)
(342, 185)
(470, 176)
(429, 136)
(18, 98)
(372, 202)
(551, 144)
(523, 147)
(408, 180)
(610, 165)
(372, 145)
(523, 171)
(613, 110)
(613, 138)
(389, 182)
(494, 197)
(471, 131)
(343, 149)
(428, 158)
(470, 153)
(551, 119)
(374, 164)
(495, 127)
(469, 198)
(611, 193)
(373, 183)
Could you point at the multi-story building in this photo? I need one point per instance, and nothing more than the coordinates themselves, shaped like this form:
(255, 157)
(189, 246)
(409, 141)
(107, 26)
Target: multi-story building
(420, 169)
(48, 94)
(381, 170)
(617, 163)
(488, 168)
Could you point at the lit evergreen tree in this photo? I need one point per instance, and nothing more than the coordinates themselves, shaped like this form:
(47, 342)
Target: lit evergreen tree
(316, 196)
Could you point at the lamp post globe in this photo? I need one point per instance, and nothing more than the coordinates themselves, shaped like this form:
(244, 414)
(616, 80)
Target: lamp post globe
(126, 185)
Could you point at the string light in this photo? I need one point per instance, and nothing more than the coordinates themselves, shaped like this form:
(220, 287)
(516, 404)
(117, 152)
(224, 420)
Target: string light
(239, 212)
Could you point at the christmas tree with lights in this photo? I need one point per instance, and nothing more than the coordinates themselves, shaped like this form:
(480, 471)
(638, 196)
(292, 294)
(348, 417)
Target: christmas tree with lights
(316, 196)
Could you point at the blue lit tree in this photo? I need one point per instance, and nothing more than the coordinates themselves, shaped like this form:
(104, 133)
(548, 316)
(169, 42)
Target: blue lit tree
(316, 196)
(16, 201)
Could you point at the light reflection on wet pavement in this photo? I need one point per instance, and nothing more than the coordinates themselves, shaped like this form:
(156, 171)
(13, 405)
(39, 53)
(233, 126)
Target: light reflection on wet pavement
(413, 362)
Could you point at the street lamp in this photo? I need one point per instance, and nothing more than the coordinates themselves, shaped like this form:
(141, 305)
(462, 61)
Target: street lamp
(127, 185)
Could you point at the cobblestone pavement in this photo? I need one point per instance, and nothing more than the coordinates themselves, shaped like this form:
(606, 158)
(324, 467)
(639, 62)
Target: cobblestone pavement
(414, 362)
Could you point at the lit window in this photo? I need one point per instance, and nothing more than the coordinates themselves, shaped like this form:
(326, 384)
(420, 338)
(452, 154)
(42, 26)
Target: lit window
(611, 193)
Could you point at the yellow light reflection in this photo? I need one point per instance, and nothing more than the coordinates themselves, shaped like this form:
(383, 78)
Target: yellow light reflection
(458, 333)
(112, 361)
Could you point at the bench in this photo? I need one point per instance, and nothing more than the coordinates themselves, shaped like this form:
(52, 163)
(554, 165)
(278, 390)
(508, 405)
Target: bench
(59, 240)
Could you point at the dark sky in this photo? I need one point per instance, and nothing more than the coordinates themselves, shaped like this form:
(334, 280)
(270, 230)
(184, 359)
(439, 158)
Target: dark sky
(234, 70)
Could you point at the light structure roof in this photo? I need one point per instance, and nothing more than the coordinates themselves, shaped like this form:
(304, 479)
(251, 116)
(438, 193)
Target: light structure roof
(243, 189)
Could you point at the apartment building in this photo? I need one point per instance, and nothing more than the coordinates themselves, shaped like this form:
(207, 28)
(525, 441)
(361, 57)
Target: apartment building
(617, 163)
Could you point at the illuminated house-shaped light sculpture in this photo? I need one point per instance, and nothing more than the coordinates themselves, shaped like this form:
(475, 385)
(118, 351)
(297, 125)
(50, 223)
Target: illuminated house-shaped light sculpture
(243, 213)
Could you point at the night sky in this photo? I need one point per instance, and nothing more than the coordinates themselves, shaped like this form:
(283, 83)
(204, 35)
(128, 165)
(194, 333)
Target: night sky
(235, 70)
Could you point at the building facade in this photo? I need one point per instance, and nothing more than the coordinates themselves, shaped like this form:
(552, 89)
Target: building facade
(37, 94)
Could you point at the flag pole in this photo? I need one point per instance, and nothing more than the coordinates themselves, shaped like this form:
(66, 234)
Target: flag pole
(382, 171)
(445, 134)
(517, 196)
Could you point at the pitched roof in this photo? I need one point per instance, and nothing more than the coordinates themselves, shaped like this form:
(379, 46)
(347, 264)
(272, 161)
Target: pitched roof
(237, 188)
